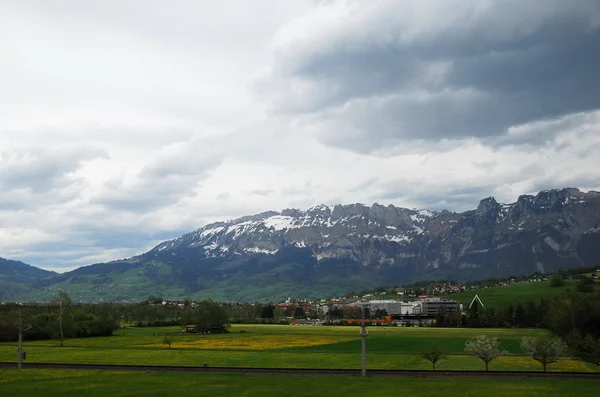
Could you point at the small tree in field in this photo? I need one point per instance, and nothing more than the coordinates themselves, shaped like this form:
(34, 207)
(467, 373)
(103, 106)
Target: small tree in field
(484, 348)
(544, 350)
(63, 304)
(433, 353)
(168, 340)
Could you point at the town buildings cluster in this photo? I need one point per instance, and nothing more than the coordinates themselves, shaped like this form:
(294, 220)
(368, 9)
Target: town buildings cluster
(424, 306)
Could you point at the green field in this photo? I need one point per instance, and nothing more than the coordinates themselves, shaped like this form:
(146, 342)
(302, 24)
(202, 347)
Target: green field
(502, 297)
(274, 346)
(48, 383)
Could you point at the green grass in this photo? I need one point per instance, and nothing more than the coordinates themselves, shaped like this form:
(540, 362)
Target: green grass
(49, 383)
(502, 297)
(287, 346)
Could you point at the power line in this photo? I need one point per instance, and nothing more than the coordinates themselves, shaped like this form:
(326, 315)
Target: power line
(363, 334)
(20, 362)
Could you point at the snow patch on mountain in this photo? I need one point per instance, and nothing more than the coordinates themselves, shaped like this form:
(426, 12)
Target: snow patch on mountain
(208, 232)
(395, 239)
(256, 250)
(425, 213)
(279, 222)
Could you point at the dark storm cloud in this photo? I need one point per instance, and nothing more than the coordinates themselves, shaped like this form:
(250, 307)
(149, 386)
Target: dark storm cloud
(469, 79)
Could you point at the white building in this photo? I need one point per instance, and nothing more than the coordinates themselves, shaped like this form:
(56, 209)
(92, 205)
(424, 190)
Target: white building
(411, 308)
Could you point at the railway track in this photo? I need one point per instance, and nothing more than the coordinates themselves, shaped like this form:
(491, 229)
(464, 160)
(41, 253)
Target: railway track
(397, 373)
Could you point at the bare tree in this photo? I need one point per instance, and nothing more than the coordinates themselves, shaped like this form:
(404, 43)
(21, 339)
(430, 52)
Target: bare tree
(484, 348)
(63, 303)
(546, 350)
(433, 353)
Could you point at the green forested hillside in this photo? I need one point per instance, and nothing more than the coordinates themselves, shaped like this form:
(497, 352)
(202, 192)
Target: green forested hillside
(18, 278)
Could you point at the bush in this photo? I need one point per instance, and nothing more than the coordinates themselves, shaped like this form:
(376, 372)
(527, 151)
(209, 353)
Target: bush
(585, 285)
(557, 280)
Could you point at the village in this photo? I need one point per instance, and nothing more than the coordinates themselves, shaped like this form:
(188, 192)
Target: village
(419, 304)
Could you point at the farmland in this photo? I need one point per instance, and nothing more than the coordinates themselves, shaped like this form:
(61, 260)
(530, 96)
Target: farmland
(287, 347)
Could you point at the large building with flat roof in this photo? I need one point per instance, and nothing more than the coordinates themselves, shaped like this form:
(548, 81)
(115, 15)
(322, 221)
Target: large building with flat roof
(427, 307)
(431, 306)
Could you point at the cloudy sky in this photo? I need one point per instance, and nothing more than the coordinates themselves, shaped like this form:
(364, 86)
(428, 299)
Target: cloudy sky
(127, 122)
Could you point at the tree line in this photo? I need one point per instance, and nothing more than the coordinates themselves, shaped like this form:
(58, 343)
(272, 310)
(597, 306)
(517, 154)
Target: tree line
(58, 320)
(61, 318)
(574, 317)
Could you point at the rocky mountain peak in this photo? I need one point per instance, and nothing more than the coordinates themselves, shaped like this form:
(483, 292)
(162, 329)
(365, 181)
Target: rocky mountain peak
(487, 205)
(489, 210)
(328, 249)
(555, 200)
(262, 215)
(348, 211)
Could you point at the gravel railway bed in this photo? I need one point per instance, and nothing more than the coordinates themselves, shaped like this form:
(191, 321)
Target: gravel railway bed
(397, 373)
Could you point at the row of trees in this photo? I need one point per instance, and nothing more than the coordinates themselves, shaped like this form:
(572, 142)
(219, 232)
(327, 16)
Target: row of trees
(545, 350)
(62, 318)
(527, 315)
(153, 313)
(58, 320)
(575, 318)
(206, 316)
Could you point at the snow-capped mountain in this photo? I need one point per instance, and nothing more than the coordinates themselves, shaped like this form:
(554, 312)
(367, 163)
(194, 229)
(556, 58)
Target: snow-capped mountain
(537, 233)
(328, 231)
(330, 250)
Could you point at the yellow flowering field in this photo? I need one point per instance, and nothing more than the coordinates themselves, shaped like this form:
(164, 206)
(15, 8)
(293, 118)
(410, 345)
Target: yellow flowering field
(256, 342)
(288, 347)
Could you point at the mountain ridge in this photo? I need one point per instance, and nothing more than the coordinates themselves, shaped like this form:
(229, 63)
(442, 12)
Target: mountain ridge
(17, 277)
(328, 250)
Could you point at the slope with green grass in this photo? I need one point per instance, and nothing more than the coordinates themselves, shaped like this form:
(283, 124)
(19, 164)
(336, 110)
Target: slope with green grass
(503, 296)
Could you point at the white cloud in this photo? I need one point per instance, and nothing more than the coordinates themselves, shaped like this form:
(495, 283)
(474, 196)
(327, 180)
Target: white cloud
(123, 123)
(378, 73)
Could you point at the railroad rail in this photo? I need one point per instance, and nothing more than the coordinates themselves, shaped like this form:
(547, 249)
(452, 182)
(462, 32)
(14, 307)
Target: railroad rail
(397, 373)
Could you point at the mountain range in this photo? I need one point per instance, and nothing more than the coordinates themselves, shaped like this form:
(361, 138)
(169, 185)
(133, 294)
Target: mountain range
(18, 278)
(331, 250)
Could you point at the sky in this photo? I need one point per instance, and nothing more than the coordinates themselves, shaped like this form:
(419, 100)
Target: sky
(124, 123)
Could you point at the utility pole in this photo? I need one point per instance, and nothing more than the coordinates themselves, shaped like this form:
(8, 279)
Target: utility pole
(20, 365)
(363, 334)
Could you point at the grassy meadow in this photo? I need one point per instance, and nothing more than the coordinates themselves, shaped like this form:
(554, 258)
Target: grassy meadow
(502, 297)
(273, 346)
(49, 383)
